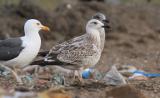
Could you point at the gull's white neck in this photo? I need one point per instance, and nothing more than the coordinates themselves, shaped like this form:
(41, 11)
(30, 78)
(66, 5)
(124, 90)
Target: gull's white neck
(102, 37)
(94, 36)
(31, 44)
(31, 33)
(32, 37)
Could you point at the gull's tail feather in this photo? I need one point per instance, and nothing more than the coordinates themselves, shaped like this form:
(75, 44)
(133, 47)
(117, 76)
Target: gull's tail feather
(43, 62)
(46, 59)
(43, 53)
(49, 61)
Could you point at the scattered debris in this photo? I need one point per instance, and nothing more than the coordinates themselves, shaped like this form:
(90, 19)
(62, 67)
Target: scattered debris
(113, 77)
(138, 77)
(58, 79)
(134, 73)
(87, 73)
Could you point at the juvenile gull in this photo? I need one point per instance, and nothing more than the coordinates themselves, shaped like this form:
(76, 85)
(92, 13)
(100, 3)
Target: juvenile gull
(99, 16)
(78, 53)
(19, 52)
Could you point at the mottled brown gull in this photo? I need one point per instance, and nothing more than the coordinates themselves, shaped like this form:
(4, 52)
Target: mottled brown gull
(78, 53)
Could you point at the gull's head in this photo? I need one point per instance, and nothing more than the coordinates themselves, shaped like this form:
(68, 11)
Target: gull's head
(33, 25)
(94, 24)
(99, 16)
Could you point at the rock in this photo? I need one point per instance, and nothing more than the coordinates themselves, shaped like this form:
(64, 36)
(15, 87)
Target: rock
(59, 93)
(125, 91)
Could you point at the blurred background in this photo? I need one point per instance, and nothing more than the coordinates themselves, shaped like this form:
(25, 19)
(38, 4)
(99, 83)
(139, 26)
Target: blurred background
(133, 40)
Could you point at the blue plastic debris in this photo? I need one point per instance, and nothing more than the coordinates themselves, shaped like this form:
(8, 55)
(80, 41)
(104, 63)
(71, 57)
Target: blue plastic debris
(132, 69)
(150, 75)
(86, 73)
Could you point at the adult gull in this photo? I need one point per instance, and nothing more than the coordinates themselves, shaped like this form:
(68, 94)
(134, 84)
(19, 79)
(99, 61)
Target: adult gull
(19, 52)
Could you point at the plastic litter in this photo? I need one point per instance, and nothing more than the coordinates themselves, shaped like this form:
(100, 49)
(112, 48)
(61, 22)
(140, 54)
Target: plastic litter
(92, 73)
(150, 75)
(58, 79)
(134, 70)
(87, 73)
(113, 77)
(137, 74)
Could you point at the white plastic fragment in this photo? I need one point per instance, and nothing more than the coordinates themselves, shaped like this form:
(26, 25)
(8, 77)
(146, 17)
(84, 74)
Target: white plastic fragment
(113, 77)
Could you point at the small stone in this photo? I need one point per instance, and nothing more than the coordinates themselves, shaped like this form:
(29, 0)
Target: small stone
(125, 91)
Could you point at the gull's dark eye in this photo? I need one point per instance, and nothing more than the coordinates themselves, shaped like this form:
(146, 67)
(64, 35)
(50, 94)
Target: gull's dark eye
(97, 17)
(95, 23)
(38, 24)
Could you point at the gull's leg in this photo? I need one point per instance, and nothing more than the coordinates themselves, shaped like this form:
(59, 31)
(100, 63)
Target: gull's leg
(19, 80)
(32, 68)
(80, 75)
(14, 73)
(17, 73)
(76, 74)
(36, 70)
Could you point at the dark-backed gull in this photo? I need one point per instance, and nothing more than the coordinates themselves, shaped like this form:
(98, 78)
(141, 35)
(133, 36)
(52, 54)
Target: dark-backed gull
(18, 52)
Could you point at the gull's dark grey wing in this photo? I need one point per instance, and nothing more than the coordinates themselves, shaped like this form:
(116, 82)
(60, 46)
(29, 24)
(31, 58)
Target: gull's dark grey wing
(10, 48)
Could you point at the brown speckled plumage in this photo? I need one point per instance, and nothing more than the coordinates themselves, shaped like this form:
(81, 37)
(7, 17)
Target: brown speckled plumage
(81, 51)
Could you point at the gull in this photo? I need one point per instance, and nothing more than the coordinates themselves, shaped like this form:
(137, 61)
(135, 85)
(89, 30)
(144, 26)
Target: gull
(99, 16)
(78, 53)
(19, 52)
